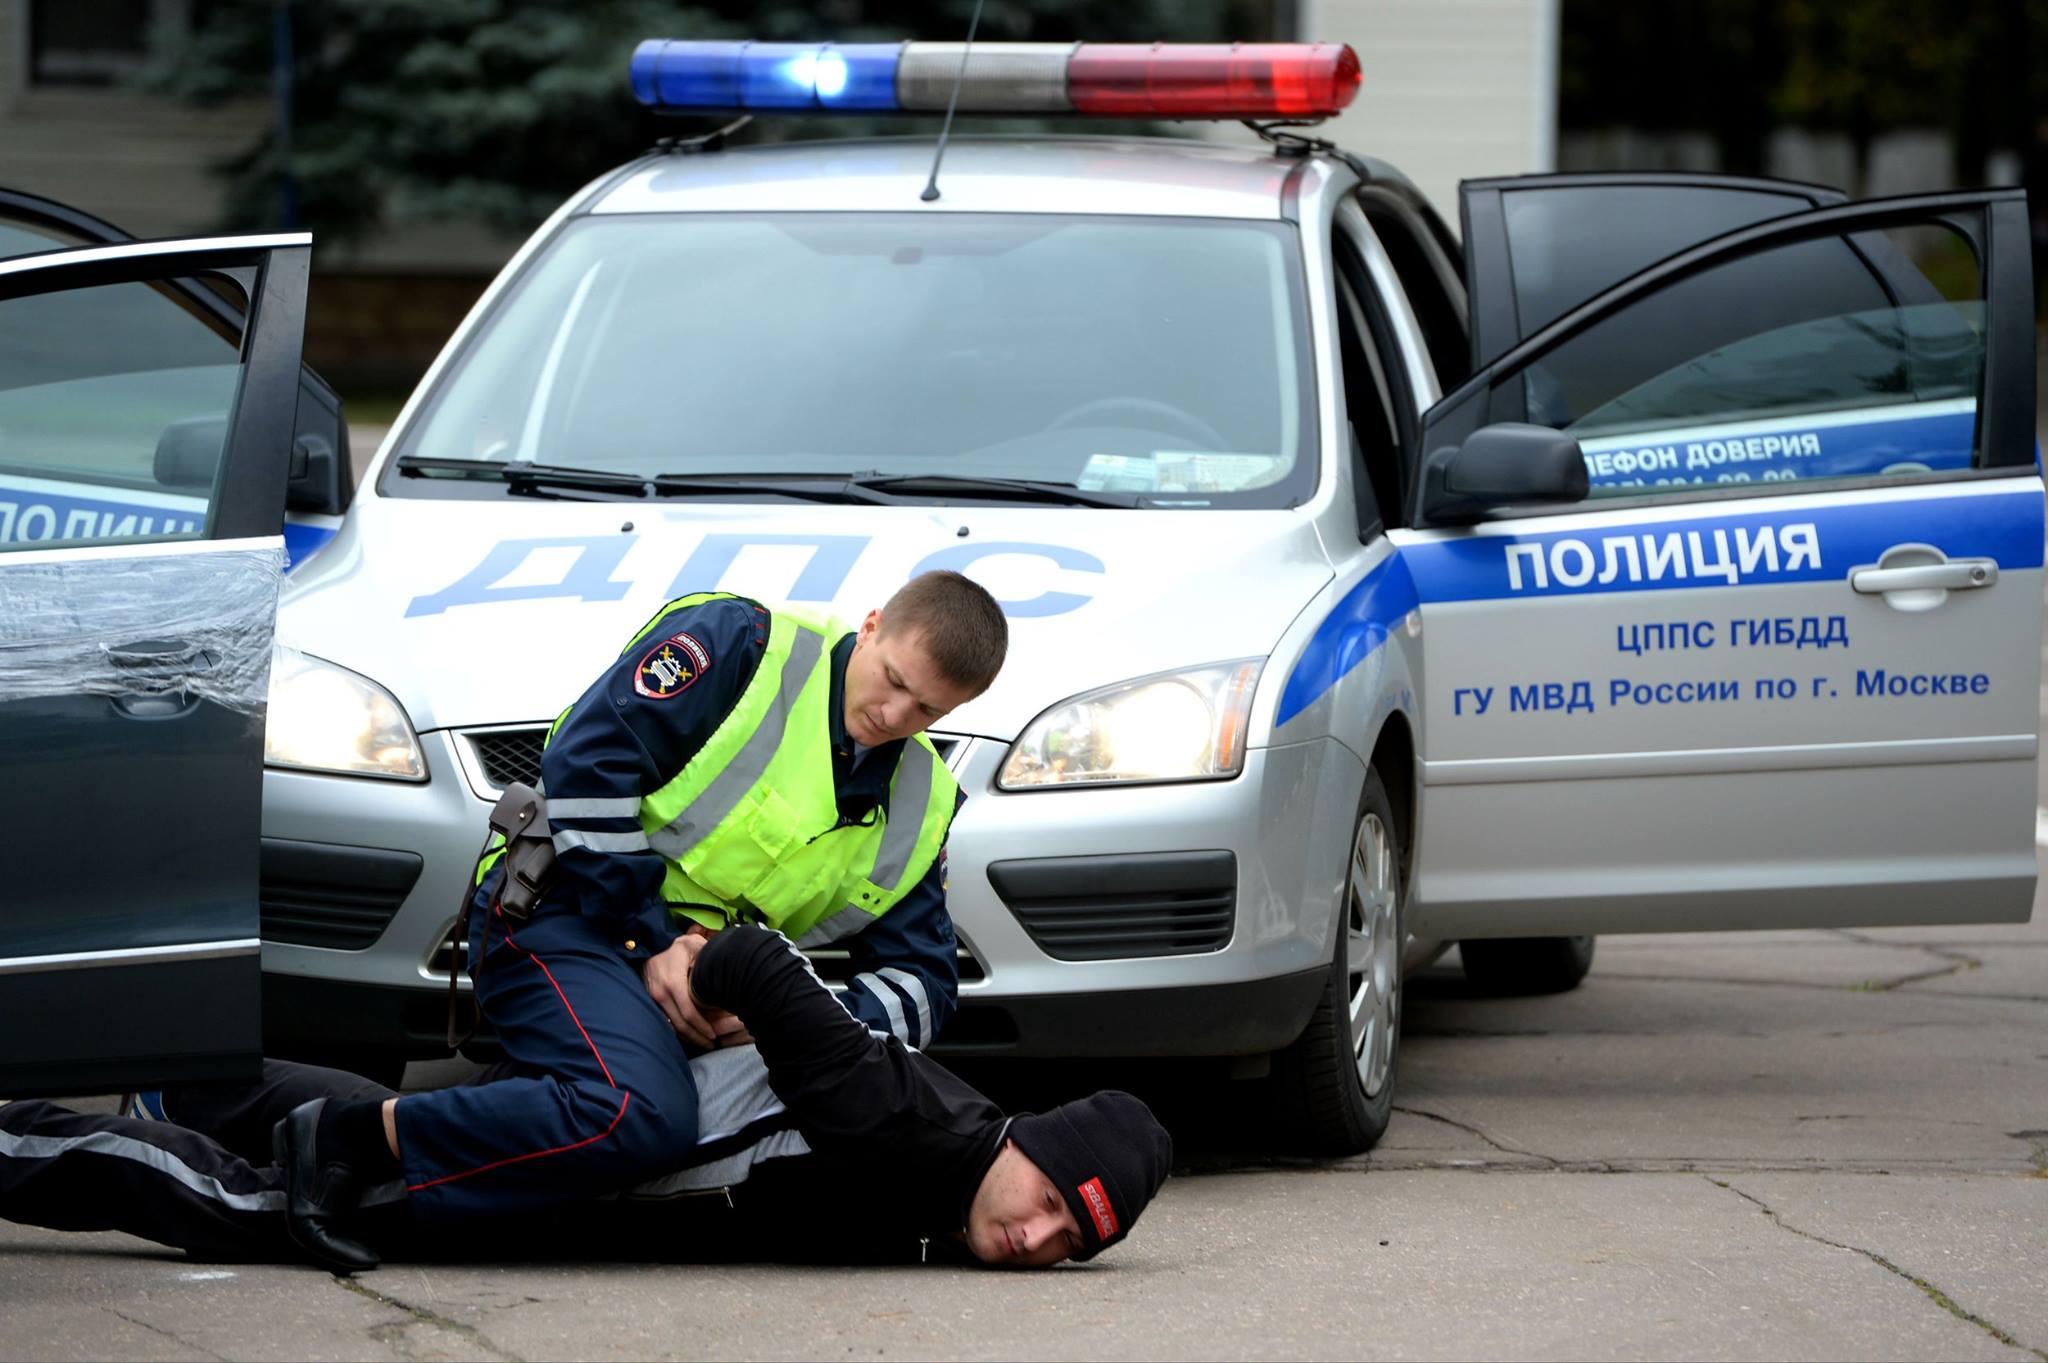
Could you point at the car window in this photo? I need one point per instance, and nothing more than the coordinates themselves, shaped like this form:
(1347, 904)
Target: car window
(1429, 279)
(114, 404)
(20, 239)
(1570, 242)
(1162, 357)
(1369, 395)
(1835, 373)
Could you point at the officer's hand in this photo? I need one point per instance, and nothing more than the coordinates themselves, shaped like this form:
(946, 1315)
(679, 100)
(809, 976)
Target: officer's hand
(667, 977)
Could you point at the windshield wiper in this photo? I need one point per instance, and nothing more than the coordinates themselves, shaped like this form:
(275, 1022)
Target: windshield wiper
(522, 476)
(813, 487)
(525, 477)
(994, 489)
(875, 489)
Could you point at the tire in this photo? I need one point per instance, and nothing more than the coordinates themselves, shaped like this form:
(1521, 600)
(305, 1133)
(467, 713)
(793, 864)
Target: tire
(1526, 965)
(1334, 1087)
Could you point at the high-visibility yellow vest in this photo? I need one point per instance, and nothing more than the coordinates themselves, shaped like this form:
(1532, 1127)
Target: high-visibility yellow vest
(750, 827)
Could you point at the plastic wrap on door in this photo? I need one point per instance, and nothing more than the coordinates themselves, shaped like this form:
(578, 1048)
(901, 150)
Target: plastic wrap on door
(197, 624)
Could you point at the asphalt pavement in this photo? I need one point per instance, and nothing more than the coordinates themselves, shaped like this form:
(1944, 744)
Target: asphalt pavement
(1811, 1145)
(1803, 1145)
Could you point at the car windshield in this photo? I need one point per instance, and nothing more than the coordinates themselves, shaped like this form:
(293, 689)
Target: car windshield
(1151, 356)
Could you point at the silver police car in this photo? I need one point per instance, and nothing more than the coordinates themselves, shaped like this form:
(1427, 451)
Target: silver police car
(1657, 553)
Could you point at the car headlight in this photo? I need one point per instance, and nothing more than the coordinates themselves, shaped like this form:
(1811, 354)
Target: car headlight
(327, 718)
(1175, 726)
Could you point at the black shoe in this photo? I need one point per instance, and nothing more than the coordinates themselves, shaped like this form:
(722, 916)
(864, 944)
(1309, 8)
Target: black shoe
(319, 1194)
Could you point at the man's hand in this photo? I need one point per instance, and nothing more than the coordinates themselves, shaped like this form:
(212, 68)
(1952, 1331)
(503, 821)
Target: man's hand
(667, 977)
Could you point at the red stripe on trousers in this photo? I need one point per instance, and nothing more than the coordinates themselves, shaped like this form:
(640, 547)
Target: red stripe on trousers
(624, 1099)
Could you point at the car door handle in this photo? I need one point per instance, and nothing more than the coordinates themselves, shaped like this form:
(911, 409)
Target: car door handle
(1956, 575)
(165, 654)
(156, 674)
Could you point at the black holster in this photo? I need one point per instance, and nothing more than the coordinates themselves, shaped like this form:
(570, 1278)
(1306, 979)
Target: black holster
(527, 870)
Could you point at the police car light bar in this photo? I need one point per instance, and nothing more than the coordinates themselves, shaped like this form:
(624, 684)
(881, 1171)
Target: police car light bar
(1104, 80)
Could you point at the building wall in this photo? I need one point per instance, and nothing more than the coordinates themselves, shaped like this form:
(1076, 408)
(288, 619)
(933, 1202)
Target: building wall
(137, 161)
(1453, 89)
(376, 315)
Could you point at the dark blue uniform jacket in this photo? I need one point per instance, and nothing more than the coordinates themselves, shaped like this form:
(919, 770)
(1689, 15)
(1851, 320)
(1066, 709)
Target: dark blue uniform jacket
(620, 742)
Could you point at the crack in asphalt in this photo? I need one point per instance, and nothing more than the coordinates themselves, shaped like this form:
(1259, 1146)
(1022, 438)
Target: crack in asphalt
(1505, 1147)
(167, 1334)
(1934, 1294)
(1860, 987)
(1957, 961)
(420, 1313)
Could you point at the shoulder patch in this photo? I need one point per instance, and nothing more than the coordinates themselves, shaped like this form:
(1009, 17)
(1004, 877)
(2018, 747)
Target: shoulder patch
(671, 667)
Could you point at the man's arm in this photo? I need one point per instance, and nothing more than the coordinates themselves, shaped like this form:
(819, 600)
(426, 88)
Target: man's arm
(847, 1087)
(630, 733)
(906, 978)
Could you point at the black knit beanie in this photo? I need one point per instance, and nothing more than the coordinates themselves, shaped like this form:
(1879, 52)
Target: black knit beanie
(1106, 1153)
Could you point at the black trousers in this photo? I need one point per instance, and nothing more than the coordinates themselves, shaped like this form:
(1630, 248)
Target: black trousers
(202, 1182)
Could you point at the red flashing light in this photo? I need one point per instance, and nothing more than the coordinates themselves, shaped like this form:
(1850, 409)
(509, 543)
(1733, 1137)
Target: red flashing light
(1212, 80)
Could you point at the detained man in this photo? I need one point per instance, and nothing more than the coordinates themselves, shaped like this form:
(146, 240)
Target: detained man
(823, 1141)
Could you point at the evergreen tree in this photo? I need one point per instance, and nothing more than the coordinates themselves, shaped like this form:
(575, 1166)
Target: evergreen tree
(495, 110)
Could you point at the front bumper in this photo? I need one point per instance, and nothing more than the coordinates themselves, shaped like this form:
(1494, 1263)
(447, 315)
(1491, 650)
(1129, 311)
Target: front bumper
(1187, 983)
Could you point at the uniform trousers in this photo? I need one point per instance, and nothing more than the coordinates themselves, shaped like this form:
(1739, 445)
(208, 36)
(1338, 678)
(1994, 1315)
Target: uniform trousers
(600, 1096)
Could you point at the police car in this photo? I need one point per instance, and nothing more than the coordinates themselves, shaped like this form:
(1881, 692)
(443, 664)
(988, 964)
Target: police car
(1657, 553)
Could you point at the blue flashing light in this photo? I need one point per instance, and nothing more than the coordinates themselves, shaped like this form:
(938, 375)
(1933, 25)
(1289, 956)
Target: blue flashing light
(869, 80)
(779, 76)
(753, 75)
(678, 74)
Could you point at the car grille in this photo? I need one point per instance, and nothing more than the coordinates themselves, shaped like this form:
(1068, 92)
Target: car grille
(1105, 908)
(508, 755)
(513, 754)
(323, 895)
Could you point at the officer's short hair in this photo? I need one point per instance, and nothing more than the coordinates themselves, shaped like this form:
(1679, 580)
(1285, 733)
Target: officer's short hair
(963, 629)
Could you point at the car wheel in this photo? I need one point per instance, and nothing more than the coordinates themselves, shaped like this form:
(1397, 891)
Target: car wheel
(1335, 1084)
(1526, 965)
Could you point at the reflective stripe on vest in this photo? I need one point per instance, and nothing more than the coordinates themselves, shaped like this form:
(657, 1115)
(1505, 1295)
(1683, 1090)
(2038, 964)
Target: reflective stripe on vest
(750, 827)
(744, 769)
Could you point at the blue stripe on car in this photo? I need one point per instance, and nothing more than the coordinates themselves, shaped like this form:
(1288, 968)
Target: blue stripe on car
(2005, 527)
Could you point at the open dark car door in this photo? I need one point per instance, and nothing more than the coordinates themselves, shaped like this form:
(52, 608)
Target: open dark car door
(145, 442)
(1537, 246)
(322, 482)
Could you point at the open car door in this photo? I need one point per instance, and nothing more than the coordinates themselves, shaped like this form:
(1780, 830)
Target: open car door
(1537, 246)
(145, 440)
(1730, 585)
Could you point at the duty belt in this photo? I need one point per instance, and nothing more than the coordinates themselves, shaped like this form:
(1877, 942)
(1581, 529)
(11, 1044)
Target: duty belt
(526, 870)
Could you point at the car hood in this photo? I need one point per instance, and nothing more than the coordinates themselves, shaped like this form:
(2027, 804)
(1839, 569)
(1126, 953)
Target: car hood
(495, 612)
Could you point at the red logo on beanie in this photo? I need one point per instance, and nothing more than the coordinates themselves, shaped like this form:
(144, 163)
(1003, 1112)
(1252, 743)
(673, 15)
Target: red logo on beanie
(1099, 1208)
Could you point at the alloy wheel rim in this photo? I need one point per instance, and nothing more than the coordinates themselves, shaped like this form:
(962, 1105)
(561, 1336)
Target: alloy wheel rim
(1373, 953)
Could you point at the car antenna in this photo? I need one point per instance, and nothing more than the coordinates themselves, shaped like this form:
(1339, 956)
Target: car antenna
(931, 186)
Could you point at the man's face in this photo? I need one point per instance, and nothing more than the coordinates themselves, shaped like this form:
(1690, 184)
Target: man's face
(1018, 1218)
(892, 688)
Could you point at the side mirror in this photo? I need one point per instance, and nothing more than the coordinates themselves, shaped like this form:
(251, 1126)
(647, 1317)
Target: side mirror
(320, 478)
(1501, 465)
(188, 453)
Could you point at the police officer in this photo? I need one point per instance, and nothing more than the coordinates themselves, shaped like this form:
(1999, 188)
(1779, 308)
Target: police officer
(736, 764)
